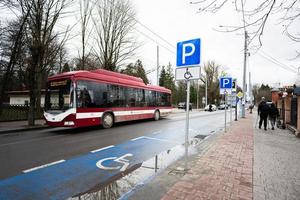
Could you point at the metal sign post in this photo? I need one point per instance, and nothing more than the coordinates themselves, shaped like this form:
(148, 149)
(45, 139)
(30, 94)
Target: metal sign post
(230, 108)
(188, 60)
(225, 102)
(234, 86)
(187, 123)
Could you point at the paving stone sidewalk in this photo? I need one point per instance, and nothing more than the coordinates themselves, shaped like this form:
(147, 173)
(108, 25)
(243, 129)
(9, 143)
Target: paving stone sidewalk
(276, 165)
(225, 171)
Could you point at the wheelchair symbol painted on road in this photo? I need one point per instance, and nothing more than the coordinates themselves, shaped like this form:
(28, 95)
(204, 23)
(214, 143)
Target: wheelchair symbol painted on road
(121, 160)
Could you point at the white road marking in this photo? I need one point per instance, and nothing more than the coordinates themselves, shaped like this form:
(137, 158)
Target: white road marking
(97, 150)
(152, 138)
(156, 132)
(162, 140)
(138, 138)
(43, 166)
(121, 160)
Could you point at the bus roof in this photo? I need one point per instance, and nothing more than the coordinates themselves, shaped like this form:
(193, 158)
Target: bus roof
(106, 76)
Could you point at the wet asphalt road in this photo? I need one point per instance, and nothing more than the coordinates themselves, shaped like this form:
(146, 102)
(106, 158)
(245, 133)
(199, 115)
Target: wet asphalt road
(25, 150)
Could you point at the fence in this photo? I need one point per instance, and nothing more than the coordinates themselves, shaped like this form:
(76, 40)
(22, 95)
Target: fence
(16, 112)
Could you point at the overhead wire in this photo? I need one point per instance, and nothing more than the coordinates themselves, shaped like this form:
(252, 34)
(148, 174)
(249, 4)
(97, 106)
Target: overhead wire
(148, 29)
(275, 60)
(278, 64)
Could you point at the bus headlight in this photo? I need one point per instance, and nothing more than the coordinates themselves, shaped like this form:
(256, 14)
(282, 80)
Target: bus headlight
(68, 123)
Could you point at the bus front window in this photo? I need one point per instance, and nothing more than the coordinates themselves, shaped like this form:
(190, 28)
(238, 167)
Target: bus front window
(59, 95)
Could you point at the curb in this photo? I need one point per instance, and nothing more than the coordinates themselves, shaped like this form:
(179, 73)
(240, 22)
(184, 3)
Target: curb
(24, 129)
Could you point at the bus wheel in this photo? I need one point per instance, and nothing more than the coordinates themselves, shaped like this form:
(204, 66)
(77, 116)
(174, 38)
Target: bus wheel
(156, 115)
(107, 120)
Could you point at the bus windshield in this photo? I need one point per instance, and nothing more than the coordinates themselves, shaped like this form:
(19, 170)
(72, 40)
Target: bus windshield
(59, 95)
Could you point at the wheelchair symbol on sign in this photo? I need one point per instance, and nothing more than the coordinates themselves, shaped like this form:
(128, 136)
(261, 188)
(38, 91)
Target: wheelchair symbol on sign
(187, 74)
(120, 160)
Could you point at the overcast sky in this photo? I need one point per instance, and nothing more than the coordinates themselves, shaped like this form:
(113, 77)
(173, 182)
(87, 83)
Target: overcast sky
(178, 20)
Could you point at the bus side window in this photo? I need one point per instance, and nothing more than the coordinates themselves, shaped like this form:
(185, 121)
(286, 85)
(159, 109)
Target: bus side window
(140, 97)
(150, 98)
(122, 97)
(87, 100)
(130, 97)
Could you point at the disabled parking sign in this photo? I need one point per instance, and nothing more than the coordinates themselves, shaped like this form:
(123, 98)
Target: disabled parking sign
(225, 85)
(188, 60)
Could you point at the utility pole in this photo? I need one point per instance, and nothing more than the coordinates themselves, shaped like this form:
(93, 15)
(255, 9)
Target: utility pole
(157, 65)
(244, 76)
(205, 89)
(250, 88)
(197, 94)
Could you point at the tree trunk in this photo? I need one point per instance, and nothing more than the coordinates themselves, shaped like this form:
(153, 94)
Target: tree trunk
(39, 92)
(32, 96)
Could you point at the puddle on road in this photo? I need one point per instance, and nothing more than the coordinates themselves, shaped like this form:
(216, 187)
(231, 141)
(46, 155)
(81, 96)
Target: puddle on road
(138, 177)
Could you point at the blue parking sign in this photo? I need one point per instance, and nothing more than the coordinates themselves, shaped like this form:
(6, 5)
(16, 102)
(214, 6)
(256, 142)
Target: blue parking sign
(226, 83)
(188, 52)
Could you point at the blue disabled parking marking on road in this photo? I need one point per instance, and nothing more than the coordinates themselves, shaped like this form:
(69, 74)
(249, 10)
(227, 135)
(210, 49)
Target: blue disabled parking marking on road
(80, 174)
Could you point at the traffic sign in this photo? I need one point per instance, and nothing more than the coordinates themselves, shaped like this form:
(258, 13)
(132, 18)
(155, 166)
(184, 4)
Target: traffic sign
(187, 73)
(234, 85)
(226, 82)
(188, 53)
(239, 94)
(225, 85)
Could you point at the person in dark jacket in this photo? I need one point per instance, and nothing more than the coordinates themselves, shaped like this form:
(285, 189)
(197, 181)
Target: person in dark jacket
(263, 112)
(210, 108)
(273, 114)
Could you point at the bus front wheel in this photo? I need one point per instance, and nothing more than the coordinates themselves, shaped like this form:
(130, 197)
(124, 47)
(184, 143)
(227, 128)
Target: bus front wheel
(107, 120)
(156, 115)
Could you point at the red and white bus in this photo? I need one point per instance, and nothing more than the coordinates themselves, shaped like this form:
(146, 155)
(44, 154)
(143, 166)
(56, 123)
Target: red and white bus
(90, 98)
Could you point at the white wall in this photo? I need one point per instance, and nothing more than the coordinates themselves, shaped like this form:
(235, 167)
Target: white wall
(20, 99)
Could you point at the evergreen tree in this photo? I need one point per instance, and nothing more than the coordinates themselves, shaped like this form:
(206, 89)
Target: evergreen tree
(162, 77)
(136, 70)
(167, 80)
(140, 71)
(66, 68)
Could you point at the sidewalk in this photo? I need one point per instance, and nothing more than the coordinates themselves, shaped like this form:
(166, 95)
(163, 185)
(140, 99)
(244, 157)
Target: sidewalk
(244, 163)
(276, 165)
(15, 126)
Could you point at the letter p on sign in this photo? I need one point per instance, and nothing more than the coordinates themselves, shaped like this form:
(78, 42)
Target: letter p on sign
(226, 83)
(188, 52)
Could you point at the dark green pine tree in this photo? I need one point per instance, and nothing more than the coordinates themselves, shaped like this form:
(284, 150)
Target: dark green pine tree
(136, 70)
(140, 71)
(162, 77)
(66, 68)
(129, 70)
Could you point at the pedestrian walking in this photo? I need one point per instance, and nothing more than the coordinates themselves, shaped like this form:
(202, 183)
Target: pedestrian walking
(263, 112)
(273, 115)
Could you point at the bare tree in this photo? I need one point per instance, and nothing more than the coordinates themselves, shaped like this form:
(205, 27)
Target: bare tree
(113, 22)
(13, 50)
(44, 14)
(85, 7)
(39, 18)
(212, 73)
(255, 19)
